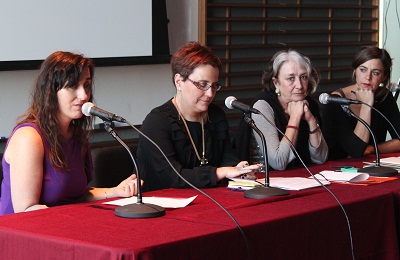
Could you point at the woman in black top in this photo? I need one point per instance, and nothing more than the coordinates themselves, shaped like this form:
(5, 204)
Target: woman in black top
(345, 135)
(192, 132)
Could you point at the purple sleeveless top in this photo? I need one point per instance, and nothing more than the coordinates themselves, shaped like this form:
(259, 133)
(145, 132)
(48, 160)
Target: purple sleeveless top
(58, 187)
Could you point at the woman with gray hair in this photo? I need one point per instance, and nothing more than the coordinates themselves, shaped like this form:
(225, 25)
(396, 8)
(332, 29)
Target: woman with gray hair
(287, 82)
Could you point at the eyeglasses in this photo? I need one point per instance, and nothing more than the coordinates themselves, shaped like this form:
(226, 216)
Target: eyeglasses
(204, 85)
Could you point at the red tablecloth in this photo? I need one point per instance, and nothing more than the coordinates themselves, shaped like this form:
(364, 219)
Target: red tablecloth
(306, 224)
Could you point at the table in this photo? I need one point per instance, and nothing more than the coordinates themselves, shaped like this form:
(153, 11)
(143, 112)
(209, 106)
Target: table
(307, 224)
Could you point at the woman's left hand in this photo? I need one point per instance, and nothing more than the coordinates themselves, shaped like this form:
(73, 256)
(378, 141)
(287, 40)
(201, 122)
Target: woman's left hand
(126, 188)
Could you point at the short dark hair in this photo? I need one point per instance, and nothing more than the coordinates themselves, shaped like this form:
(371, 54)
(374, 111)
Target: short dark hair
(190, 56)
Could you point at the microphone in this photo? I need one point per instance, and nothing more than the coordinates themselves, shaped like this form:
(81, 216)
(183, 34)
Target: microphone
(231, 102)
(377, 169)
(266, 190)
(138, 209)
(325, 99)
(89, 109)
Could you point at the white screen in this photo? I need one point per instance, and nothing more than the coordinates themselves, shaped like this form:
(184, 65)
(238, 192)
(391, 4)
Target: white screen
(32, 30)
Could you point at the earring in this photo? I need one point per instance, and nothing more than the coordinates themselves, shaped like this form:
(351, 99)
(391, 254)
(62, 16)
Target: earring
(278, 92)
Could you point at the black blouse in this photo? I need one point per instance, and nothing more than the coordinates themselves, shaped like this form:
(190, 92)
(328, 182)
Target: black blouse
(167, 130)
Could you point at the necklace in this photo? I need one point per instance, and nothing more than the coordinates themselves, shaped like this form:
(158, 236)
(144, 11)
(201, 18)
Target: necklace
(203, 160)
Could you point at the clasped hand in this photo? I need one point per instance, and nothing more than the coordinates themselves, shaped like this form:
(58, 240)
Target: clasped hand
(300, 109)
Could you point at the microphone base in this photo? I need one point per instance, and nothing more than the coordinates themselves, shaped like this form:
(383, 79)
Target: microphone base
(264, 192)
(140, 210)
(379, 171)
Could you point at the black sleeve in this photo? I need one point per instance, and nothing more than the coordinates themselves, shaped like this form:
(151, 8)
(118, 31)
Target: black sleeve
(392, 113)
(338, 131)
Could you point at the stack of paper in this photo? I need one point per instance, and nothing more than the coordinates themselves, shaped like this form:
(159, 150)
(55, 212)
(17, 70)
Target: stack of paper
(242, 184)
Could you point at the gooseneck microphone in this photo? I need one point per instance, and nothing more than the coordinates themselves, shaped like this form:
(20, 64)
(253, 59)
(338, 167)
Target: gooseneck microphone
(89, 109)
(266, 190)
(231, 102)
(325, 99)
(377, 169)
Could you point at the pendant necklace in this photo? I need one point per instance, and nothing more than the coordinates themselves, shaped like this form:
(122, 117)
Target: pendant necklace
(203, 160)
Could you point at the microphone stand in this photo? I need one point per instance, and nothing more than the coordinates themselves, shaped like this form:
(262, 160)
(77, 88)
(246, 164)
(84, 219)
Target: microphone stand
(377, 169)
(263, 191)
(138, 209)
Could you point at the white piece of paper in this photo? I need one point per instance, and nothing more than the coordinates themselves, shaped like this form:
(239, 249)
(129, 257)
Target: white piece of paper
(342, 176)
(295, 183)
(286, 183)
(160, 201)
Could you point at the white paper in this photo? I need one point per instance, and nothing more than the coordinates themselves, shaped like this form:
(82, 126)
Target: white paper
(160, 201)
(392, 162)
(295, 183)
(286, 183)
(343, 176)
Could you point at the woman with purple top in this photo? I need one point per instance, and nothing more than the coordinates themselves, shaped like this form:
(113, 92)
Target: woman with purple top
(47, 160)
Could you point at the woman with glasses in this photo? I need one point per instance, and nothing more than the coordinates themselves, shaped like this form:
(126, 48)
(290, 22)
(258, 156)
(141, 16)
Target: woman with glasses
(191, 131)
(287, 82)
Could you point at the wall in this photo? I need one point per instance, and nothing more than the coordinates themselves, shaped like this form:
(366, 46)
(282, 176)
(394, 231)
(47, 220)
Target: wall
(132, 91)
(129, 91)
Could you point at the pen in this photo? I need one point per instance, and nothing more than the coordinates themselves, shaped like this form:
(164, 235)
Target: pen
(343, 166)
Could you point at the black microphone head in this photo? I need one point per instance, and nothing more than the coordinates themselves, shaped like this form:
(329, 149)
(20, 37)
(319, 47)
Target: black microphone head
(86, 108)
(228, 101)
(323, 98)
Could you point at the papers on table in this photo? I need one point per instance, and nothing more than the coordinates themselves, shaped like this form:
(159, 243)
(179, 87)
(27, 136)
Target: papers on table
(242, 184)
(342, 176)
(392, 162)
(160, 201)
(287, 183)
(296, 183)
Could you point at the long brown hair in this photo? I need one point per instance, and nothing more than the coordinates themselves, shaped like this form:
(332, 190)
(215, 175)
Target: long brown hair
(59, 70)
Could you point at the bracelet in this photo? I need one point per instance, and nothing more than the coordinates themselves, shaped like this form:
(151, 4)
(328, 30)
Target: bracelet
(315, 130)
(105, 193)
(292, 126)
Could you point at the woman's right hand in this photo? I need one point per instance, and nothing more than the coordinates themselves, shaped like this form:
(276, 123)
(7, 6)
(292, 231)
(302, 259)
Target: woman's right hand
(296, 108)
(365, 96)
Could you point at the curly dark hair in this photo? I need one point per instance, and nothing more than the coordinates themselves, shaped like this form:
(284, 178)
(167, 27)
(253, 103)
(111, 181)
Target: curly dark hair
(59, 70)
